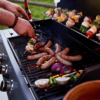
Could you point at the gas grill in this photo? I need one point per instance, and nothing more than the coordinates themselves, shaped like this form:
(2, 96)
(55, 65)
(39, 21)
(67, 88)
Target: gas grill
(21, 74)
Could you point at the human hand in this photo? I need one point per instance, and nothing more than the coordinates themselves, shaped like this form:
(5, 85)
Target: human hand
(14, 8)
(23, 27)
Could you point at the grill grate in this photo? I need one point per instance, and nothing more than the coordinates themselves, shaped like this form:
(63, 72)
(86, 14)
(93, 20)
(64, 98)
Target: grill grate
(32, 72)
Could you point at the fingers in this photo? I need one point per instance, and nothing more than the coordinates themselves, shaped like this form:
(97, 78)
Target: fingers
(23, 12)
(19, 15)
(25, 34)
(31, 33)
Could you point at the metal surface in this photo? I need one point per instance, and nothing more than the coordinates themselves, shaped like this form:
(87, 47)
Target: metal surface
(20, 90)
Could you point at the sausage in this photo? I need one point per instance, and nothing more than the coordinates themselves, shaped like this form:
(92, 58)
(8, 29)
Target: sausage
(42, 49)
(64, 52)
(37, 56)
(42, 59)
(58, 48)
(72, 58)
(48, 50)
(49, 43)
(48, 63)
(38, 45)
(63, 61)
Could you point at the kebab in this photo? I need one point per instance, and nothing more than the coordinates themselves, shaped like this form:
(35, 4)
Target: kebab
(85, 24)
(69, 78)
(73, 19)
(30, 45)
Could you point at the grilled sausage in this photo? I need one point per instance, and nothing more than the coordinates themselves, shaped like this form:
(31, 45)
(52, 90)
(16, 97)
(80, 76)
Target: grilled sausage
(48, 63)
(37, 56)
(38, 45)
(72, 58)
(63, 61)
(49, 43)
(42, 59)
(48, 50)
(64, 52)
(58, 48)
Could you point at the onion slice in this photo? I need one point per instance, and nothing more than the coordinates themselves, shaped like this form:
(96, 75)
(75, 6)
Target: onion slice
(41, 83)
(63, 80)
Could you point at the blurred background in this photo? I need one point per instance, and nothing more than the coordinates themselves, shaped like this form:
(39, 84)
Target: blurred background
(36, 11)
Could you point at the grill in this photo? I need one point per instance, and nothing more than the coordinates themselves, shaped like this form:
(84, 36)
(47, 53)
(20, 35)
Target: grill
(57, 33)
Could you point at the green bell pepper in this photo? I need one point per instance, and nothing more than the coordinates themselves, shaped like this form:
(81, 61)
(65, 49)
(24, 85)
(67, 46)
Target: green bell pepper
(83, 29)
(31, 42)
(52, 81)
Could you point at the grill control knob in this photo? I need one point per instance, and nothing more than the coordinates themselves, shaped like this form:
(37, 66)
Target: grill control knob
(3, 69)
(7, 86)
(3, 57)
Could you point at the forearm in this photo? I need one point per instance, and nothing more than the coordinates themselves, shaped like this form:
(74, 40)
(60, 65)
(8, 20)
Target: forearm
(6, 18)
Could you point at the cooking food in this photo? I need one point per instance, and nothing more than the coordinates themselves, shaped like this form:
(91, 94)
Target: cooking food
(42, 59)
(71, 13)
(63, 61)
(38, 45)
(56, 67)
(49, 43)
(58, 48)
(72, 58)
(91, 31)
(98, 36)
(52, 81)
(66, 69)
(41, 83)
(73, 78)
(85, 24)
(48, 50)
(64, 52)
(29, 48)
(49, 13)
(48, 63)
(64, 15)
(63, 80)
(36, 56)
(55, 16)
(80, 14)
(70, 22)
(60, 19)
(84, 27)
(35, 39)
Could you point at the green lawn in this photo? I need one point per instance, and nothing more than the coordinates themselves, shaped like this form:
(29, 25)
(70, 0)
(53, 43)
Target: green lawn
(35, 10)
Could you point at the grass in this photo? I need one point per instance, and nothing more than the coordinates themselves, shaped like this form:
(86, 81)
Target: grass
(35, 10)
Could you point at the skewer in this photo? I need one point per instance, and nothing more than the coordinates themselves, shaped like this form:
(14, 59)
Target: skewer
(88, 37)
(32, 85)
(69, 74)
